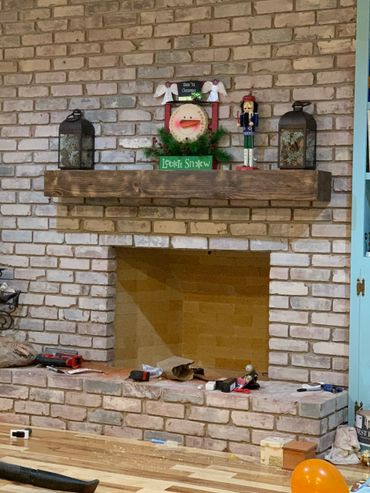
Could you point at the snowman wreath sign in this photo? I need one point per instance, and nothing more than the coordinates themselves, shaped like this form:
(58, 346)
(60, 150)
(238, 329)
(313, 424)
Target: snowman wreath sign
(187, 132)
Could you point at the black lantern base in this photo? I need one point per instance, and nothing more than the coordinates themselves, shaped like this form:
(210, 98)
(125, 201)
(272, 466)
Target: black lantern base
(293, 166)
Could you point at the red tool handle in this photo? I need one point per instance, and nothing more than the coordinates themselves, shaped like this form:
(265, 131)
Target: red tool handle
(72, 361)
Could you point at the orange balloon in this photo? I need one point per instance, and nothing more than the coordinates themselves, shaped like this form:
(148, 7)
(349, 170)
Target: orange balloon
(317, 476)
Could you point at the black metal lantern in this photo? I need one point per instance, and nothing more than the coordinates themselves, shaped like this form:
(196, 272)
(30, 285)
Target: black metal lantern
(297, 138)
(76, 142)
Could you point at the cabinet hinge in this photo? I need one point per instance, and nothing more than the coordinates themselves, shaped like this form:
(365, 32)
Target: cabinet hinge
(360, 287)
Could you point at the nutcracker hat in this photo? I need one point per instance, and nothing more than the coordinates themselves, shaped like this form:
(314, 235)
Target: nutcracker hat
(249, 97)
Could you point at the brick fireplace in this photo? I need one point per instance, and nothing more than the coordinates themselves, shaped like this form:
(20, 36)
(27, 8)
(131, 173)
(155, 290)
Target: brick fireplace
(107, 58)
(299, 287)
(75, 305)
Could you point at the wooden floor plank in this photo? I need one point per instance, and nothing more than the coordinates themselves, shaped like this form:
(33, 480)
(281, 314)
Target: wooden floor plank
(18, 488)
(128, 466)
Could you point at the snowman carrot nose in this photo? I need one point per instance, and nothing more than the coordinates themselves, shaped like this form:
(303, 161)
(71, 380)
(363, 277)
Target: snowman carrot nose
(189, 123)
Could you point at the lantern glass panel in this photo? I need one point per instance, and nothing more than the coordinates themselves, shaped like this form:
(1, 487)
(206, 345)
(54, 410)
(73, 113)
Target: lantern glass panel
(311, 149)
(292, 148)
(69, 151)
(87, 151)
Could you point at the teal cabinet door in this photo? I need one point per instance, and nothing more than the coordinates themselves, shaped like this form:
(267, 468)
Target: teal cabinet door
(360, 342)
(364, 341)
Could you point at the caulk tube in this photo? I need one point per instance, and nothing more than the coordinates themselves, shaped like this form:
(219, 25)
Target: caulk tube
(45, 479)
(311, 388)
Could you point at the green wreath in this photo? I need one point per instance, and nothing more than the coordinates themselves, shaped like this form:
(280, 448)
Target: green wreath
(206, 145)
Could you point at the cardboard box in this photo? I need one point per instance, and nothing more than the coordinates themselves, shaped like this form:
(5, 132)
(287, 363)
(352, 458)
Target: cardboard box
(297, 451)
(362, 424)
(272, 451)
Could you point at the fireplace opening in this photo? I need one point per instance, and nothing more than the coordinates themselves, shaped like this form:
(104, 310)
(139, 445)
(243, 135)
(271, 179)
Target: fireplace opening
(209, 306)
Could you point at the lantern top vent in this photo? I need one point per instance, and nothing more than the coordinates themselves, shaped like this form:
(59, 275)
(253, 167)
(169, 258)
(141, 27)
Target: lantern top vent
(299, 105)
(76, 123)
(297, 117)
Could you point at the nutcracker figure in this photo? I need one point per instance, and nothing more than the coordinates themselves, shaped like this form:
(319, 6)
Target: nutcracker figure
(248, 120)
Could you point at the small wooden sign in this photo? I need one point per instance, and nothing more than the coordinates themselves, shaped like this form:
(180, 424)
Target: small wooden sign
(191, 163)
(186, 89)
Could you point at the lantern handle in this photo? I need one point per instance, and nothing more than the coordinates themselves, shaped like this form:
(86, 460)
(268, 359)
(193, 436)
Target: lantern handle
(74, 116)
(299, 105)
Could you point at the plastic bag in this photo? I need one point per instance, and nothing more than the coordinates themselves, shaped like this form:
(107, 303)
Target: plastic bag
(153, 371)
(345, 446)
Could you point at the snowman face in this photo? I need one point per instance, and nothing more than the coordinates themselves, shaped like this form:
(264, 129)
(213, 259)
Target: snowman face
(188, 122)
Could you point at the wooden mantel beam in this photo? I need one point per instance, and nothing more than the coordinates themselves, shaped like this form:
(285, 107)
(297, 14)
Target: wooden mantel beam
(216, 184)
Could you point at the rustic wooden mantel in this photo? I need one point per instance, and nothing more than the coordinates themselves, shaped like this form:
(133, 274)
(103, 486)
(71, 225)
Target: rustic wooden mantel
(216, 184)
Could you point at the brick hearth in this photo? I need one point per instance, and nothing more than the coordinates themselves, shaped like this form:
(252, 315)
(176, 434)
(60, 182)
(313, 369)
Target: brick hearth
(109, 404)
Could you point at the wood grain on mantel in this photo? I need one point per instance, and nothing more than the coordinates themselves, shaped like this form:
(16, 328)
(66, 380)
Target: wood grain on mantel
(216, 184)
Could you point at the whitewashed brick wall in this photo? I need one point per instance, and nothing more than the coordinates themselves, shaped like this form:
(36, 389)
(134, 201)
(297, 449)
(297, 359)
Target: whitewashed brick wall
(107, 57)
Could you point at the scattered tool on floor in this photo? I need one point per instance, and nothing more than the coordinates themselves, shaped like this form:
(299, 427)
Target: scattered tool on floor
(73, 371)
(210, 385)
(327, 387)
(306, 387)
(242, 390)
(45, 479)
(24, 433)
(54, 369)
(334, 389)
(78, 371)
(59, 357)
(139, 376)
(226, 384)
